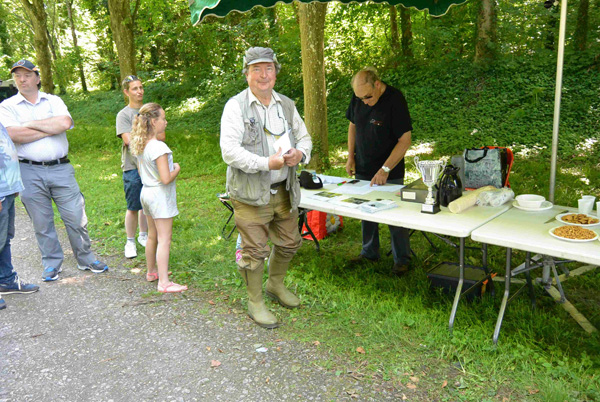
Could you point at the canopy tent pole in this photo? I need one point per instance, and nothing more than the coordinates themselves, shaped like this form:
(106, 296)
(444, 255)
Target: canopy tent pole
(557, 95)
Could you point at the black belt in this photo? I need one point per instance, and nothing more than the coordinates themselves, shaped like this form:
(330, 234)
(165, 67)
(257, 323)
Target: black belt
(49, 163)
(276, 185)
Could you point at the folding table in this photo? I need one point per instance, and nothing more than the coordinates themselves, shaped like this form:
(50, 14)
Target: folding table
(409, 215)
(528, 231)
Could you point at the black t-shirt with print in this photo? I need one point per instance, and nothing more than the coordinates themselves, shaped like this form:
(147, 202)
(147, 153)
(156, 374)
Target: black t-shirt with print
(378, 129)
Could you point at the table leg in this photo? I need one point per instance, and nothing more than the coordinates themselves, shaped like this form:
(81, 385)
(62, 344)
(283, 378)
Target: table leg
(302, 221)
(528, 278)
(563, 298)
(505, 297)
(461, 264)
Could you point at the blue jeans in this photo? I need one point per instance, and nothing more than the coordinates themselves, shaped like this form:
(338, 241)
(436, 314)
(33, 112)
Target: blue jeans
(132, 184)
(399, 236)
(7, 232)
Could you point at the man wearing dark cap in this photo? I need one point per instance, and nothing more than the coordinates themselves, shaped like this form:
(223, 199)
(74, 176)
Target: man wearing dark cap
(379, 134)
(37, 123)
(263, 139)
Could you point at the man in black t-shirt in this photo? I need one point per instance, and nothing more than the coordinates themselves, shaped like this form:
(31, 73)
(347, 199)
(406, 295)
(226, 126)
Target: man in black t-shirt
(379, 135)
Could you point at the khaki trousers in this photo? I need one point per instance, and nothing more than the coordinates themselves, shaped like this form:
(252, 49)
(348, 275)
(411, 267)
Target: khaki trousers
(257, 224)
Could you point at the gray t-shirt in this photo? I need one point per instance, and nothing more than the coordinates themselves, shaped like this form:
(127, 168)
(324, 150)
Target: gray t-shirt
(124, 125)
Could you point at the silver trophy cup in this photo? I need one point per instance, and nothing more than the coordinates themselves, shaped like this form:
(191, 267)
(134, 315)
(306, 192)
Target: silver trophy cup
(430, 172)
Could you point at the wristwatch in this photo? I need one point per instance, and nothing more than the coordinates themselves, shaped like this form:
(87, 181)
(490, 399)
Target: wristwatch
(386, 169)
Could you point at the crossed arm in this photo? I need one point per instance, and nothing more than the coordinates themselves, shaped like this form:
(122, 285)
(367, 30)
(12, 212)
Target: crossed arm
(37, 129)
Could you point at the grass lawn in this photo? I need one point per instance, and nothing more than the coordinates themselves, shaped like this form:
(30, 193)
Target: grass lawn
(400, 324)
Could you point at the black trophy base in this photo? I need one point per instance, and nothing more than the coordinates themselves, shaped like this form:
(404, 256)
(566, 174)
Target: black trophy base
(430, 209)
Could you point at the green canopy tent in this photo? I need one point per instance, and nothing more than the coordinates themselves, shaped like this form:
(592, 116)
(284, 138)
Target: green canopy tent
(220, 8)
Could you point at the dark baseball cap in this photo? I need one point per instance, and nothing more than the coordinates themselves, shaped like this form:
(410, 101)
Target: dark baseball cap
(26, 64)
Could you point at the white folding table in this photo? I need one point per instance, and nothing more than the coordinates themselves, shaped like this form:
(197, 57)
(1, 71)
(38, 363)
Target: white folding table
(409, 215)
(528, 231)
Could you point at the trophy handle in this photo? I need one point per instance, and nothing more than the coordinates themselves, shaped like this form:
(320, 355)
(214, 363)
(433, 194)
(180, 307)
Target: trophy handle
(417, 162)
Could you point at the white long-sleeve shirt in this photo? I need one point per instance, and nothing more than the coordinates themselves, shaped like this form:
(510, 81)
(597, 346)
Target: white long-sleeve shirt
(232, 133)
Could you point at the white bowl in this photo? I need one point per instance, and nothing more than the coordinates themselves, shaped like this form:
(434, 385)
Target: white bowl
(530, 200)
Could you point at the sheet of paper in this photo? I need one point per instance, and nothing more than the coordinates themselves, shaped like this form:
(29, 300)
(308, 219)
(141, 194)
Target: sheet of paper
(360, 188)
(332, 179)
(324, 195)
(352, 202)
(390, 188)
(377, 206)
(284, 143)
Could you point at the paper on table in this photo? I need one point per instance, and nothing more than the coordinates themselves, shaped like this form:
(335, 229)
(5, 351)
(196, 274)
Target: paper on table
(360, 188)
(284, 143)
(388, 187)
(378, 205)
(332, 179)
(352, 202)
(324, 195)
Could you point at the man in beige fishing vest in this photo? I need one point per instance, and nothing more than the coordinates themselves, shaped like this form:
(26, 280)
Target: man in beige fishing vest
(263, 139)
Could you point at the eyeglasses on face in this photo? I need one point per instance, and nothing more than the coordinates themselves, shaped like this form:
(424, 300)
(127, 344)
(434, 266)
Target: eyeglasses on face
(366, 97)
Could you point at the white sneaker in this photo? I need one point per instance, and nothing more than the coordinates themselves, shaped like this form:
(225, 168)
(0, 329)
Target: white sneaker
(142, 239)
(130, 251)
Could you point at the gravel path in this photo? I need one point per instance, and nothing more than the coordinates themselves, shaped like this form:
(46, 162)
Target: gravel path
(102, 337)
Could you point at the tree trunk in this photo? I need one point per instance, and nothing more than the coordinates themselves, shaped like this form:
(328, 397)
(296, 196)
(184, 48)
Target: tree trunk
(407, 37)
(121, 24)
(114, 80)
(59, 75)
(58, 72)
(428, 41)
(551, 22)
(581, 31)
(75, 46)
(37, 16)
(394, 30)
(312, 33)
(485, 43)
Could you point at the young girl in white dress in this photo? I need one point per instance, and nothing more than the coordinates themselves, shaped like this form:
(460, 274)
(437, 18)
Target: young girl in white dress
(159, 198)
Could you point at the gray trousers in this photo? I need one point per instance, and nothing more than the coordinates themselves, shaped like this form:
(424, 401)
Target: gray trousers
(44, 184)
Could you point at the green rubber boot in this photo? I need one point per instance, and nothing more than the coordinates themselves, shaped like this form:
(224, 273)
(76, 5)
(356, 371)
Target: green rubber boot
(256, 306)
(275, 288)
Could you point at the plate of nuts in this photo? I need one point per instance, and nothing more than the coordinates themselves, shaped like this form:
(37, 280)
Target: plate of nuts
(578, 219)
(572, 233)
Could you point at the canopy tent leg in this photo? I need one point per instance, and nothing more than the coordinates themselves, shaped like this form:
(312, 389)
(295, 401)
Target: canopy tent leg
(557, 96)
